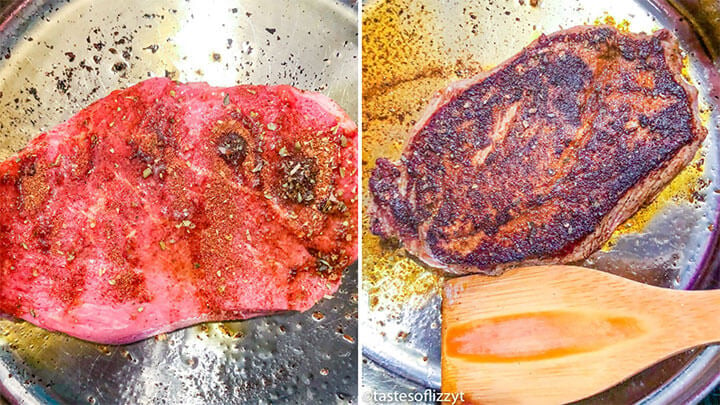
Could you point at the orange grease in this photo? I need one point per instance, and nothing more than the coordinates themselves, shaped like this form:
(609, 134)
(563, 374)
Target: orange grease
(537, 336)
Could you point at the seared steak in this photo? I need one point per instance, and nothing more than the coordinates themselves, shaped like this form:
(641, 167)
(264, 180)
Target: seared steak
(540, 159)
(167, 204)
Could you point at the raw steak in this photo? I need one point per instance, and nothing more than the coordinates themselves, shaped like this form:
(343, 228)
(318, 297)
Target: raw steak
(167, 204)
(538, 160)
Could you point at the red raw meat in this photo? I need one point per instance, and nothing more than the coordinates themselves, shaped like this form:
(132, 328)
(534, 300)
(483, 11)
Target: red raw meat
(168, 204)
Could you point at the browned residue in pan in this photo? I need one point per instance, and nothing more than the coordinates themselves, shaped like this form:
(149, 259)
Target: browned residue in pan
(403, 66)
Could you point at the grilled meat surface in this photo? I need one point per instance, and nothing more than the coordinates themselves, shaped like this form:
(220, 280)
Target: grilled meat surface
(538, 160)
(167, 204)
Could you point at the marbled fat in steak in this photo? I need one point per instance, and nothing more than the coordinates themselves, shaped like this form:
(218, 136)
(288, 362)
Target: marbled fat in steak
(167, 204)
(540, 159)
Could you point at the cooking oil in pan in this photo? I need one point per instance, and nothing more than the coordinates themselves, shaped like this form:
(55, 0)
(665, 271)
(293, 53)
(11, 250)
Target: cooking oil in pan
(402, 67)
(683, 189)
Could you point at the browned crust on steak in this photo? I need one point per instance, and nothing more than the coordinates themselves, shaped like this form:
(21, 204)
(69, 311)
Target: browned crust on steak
(538, 160)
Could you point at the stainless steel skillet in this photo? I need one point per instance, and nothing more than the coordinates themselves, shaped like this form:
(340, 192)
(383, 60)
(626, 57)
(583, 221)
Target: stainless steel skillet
(58, 56)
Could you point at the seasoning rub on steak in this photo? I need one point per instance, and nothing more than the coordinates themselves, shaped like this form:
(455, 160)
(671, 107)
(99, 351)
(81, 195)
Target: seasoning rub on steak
(538, 160)
(167, 204)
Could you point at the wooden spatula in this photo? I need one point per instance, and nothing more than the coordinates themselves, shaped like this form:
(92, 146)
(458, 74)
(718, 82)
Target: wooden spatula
(556, 334)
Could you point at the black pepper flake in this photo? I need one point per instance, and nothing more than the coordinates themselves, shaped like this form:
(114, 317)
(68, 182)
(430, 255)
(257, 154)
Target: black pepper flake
(34, 93)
